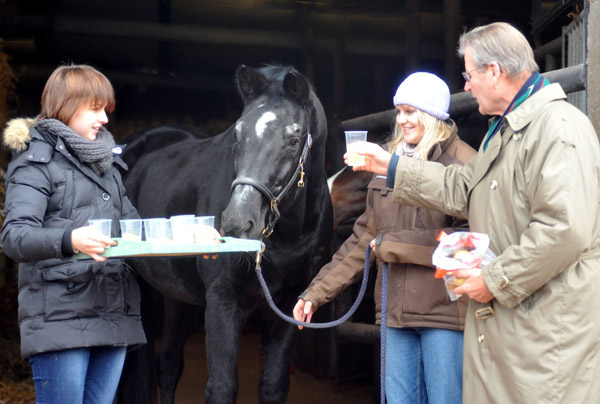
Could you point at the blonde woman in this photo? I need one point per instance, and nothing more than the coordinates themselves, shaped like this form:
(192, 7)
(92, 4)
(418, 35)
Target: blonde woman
(424, 335)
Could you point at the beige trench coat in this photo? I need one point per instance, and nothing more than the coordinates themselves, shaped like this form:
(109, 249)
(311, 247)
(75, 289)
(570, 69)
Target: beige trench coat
(535, 191)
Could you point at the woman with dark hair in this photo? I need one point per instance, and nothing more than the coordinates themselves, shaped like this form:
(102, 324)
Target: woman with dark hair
(77, 318)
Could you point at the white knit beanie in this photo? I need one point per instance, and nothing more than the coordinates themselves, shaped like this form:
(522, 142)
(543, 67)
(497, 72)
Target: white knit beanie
(425, 91)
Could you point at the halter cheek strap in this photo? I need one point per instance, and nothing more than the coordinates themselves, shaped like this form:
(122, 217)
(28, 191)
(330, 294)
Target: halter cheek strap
(274, 200)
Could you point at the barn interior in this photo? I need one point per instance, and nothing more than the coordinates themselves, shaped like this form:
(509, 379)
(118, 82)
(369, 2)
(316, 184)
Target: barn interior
(173, 62)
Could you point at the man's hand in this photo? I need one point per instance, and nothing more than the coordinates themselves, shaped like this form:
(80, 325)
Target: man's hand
(474, 286)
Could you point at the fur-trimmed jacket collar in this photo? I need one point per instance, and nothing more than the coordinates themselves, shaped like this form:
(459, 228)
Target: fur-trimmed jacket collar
(16, 135)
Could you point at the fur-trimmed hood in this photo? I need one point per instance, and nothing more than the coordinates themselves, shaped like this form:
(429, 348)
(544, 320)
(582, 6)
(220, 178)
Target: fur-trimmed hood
(16, 135)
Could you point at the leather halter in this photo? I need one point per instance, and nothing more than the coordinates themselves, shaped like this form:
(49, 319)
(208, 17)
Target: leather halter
(274, 200)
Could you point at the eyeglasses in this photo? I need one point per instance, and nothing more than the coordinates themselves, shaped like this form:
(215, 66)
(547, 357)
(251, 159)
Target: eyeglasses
(467, 75)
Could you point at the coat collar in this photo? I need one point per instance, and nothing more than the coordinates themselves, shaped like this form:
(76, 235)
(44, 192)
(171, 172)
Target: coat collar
(40, 150)
(517, 120)
(526, 112)
(440, 148)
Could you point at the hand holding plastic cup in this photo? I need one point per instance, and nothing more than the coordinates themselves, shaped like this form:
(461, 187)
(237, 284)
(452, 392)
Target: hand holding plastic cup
(131, 229)
(104, 225)
(353, 139)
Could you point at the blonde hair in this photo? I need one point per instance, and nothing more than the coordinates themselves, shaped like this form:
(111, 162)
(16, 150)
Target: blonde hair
(498, 42)
(435, 131)
(72, 87)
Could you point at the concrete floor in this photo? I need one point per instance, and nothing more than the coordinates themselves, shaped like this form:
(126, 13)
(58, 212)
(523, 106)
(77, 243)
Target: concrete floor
(304, 389)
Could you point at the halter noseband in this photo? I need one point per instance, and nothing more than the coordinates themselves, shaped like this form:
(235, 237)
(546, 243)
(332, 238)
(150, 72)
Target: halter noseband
(274, 200)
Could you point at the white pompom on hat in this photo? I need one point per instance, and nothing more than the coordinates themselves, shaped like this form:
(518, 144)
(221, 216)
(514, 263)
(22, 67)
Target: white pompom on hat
(425, 91)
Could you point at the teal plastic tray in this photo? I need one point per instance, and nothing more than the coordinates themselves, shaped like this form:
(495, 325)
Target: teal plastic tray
(143, 249)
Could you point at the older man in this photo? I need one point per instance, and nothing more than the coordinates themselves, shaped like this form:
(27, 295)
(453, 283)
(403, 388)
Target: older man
(531, 334)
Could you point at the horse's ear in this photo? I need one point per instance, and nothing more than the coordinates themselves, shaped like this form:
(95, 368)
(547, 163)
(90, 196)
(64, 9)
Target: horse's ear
(296, 87)
(250, 82)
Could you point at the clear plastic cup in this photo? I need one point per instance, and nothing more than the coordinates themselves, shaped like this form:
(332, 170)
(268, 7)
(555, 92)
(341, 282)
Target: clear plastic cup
(157, 230)
(353, 139)
(104, 225)
(206, 220)
(131, 229)
(182, 227)
(204, 231)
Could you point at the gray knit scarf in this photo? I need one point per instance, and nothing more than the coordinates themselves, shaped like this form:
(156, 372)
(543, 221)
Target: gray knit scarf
(97, 154)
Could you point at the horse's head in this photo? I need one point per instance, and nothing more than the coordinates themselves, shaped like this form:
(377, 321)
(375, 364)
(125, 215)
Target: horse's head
(272, 152)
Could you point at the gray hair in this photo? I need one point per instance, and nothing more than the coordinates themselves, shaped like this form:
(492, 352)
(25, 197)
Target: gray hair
(501, 43)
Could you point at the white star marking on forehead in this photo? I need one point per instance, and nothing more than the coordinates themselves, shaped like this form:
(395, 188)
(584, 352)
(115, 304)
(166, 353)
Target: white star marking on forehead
(262, 122)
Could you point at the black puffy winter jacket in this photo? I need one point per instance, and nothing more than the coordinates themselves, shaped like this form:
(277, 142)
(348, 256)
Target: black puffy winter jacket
(64, 303)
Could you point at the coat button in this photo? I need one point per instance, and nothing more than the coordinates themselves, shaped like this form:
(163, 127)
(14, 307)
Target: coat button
(517, 136)
(494, 185)
(481, 338)
(105, 196)
(61, 147)
(30, 156)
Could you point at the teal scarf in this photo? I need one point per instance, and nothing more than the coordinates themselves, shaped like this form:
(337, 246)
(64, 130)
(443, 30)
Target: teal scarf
(531, 86)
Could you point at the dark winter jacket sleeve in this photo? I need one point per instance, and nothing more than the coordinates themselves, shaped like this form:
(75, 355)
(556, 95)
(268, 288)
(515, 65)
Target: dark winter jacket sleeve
(28, 187)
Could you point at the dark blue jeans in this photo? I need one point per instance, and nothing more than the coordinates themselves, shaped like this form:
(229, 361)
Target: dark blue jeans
(78, 376)
(423, 366)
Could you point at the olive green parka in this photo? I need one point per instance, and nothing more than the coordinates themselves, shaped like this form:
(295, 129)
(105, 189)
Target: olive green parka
(535, 191)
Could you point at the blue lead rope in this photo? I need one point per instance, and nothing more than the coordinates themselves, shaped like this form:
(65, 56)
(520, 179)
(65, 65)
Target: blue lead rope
(330, 324)
(383, 328)
(361, 294)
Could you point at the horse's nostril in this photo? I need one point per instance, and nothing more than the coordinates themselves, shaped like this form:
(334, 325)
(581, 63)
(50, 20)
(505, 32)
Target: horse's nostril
(247, 230)
(239, 228)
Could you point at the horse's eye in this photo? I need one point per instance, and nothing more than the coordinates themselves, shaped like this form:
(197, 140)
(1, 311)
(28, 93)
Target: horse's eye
(294, 141)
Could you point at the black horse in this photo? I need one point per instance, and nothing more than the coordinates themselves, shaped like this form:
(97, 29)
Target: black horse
(263, 178)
